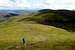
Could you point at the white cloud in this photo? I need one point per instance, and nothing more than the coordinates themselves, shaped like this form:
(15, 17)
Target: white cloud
(38, 4)
(6, 3)
(22, 3)
(61, 4)
(13, 5)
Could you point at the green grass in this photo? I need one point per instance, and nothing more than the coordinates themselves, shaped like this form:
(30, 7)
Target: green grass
(42, 36)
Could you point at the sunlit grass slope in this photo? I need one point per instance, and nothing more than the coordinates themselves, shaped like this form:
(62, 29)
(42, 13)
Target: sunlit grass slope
(42, 36)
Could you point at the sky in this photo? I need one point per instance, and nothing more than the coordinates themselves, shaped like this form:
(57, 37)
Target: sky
(37, 4)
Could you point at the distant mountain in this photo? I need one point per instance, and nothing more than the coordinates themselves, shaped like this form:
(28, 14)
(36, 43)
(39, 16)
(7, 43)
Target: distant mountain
(6, 14)
(15, 11)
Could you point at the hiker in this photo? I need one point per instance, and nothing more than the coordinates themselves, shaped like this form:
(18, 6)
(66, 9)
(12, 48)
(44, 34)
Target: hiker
(23, 41)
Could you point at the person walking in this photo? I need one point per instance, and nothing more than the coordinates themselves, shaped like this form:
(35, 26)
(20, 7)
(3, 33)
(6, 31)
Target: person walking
(23, 41)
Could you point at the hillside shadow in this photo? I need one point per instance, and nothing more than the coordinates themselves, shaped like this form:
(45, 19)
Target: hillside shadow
(67, 25)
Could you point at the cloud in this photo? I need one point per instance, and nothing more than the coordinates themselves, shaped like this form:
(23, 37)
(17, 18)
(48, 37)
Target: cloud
(38, 4)
(61, 4)
(16, 4)
(6, 3)
(13, 0)
(22, 3)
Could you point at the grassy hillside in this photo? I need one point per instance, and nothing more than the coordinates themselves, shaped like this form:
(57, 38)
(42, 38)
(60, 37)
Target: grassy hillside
(58, 18)
(37, 36)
